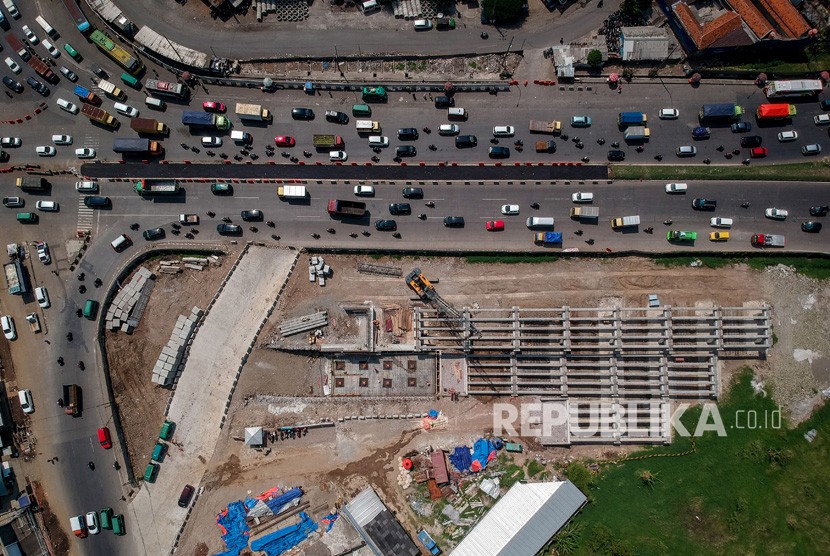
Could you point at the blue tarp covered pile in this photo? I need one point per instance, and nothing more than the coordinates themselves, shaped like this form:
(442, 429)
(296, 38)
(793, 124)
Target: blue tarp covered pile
(234, 529)
(286, 538)
(460, 458)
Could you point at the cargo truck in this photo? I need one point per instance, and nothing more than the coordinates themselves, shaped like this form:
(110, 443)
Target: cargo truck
(87, 96)
(346, 208)
(156, 187)
(637, 133)
(775, 111)
(548, 238)
(99, 115)
(31, 184)
(768, 240)
(148, 125)
(328, 141)
(136, 145)
(206, 119)
(292, 191)
(253, 112)
(720, 112)
(541, 126)
(631, 118)
(625, 221)
(585, 212)
(111, 89)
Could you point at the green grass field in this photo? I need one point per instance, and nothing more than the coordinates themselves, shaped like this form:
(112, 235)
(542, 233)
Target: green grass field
(759, 491)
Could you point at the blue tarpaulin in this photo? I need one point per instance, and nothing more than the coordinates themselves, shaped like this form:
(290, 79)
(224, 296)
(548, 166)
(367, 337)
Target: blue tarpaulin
(234, 529)
(277, 504)
(461, 458)
(286, 538)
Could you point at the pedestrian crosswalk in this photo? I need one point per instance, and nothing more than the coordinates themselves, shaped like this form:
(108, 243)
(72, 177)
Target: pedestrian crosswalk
(85, 216)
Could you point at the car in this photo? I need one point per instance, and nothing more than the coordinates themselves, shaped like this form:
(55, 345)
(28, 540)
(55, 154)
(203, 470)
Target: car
(494, 225)
(718, 236)
(42, 89)
(822, 119)
(72, 52)
(386, 225)
(510, 209)
(54, 52)
(252, 215)
(741, 127)
(126, 109)
(581, 121)
(13, 65)
(211, 141)
(284, 141)
(499, 152)
(676, 188)
(396, 209)
(62, 139)
(85, 152)
(302, 113)
(449, 129)
(776, 213)
(152, 234)
(30, 36)
(104, 438)
(92, 523)
(811, 227)
(13, 202)
(758, 152)
(412, 193)
(701, 133)
(67, 106)
(42, 297)
(751, 141)
(7, 323)
(69, 74)
(454, 221)
(229, 229)
(704, 204)
(26, 402)
(43, 251)
(616, 155)
(13, 85)
(338, 156)
(465, 141)
(364, 190)
(212, 106)
(814, 211)
(787, 136)
(11, 142)
(337, 117)
(407, 134)
(184, 497)
(47, 206)
(45, 150)
(582, 197)
(686, 150)
(669, 113)
(406, 150)
(221, 189)
(717, 222)
(504, 131)
(811, 149)
(680, 235)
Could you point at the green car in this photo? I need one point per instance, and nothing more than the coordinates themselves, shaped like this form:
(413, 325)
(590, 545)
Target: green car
(221, 189)
(72, 52)
(677, 235)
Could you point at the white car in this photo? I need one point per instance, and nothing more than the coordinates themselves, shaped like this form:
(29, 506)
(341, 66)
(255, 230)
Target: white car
(45, 150)
(676, 187)
(42, 297)
(54, 52)
(11, 142)
(822, 119)
(449, 129)
(29, 35)
(504, 131)
(92, 523)
(338, 156)
(582, 197)
(787, 136)
(423, 24)
(669, 113)
(510, 209)
(68, 106)
(720, 222)
(776, 213)
(85, 152)
(86, 186)
(364, 190)
(12, 65)
(47, 206)
(9, 331)
(26, 402)
(211, 141)
(125, 109)
(62, 139)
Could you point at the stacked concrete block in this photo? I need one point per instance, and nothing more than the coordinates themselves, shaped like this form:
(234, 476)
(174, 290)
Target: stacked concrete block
(171, 361)
(124, 313)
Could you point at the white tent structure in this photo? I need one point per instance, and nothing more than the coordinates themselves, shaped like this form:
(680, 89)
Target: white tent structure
(253, 436)
(523, 520)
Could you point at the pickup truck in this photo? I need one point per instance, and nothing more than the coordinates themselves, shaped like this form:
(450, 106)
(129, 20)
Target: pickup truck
(189, 219)
(34, 322)
(625, 221)
(346, 208)
(768, 240)
(542, 126)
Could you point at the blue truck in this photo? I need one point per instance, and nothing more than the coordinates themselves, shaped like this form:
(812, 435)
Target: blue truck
(205, 119)
(427, 541)
(631, 118)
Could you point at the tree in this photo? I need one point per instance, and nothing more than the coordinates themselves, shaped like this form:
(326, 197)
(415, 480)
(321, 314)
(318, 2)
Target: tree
(595, 58)
(502, 11)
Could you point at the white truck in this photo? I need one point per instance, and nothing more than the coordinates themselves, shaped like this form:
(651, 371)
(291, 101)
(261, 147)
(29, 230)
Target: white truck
(625, 221)
(253, 112)
(292, 192)
(111, 89)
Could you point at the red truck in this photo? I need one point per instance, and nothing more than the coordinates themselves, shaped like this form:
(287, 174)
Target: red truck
(775, 111)
(346, 208)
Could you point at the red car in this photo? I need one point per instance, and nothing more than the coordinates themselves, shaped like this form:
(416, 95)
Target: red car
(211, 106)
(104, 438)
(759, 152)
(494, 225)
(284, 141)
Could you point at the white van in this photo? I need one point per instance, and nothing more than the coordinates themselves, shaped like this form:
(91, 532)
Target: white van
(379, 141)
(370, 6)
(121, 242)
(456, 113)
(241, 137)
(153, 102)
(45, 26)
(540, 222)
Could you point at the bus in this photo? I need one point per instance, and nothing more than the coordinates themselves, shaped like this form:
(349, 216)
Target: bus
(163, 88)
(118, 54)
(374, 94)
(77, 15)
(792, 89)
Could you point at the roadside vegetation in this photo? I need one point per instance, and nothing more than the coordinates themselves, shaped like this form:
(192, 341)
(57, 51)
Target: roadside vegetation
(802, 171)
(812, 267)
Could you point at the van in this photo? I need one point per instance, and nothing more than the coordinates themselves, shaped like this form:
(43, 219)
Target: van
(158, 452)
(45, 26)
(456, 114)
(361, 110)
(157, 103)
(151, 472)
(444, 102)
(90, 309)
(27, 217)
(241, 137)
(131, 81)
(121, 242)
(378, 141)
(540, 222)
(118, 524)
(370, 6)
(105, 517)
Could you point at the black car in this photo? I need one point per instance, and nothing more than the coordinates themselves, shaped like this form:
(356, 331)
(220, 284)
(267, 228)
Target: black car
(616, 155)
(229, 229)
(386, 225)
(466, 141)
(406, 150)
(37, 86)
(444, 102)
(407, 134)
(302, 113)
(337, 117)
(819, 211)
(704, 204)
(400, 208)
(499, 152)
(12, 84)
(252, 215)
(454, 221)
(751, 141)
(413, 193)
(811, 227)
(741, 127)
(153, 234)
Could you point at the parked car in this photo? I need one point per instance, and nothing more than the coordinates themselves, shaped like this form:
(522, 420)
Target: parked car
(741, 127)
(669, 113)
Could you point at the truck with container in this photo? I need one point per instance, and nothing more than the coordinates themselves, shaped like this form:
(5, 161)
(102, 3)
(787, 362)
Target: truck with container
(206, 119)
(292, 192)
(148, 125)
(137, 145)
(768, 240)
(337, 207)
(625, 221)
(631, 118)
(775, 111)
(548, 238)
(545, 146)
(31, 184)
(87, 96)
(541, 126)
(328, 142)
(99, 115)
(720, 112)
(111, 89)
(189, 219)
(156, 187)
(585, 213)
(637, 133)
(253, 112)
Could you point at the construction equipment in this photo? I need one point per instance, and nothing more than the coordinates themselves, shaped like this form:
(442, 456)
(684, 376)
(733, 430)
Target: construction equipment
(426, 291)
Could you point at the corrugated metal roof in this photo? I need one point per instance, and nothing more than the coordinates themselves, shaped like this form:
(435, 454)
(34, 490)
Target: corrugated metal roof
(523, 520)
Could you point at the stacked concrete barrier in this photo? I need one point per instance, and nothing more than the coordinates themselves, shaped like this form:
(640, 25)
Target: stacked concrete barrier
(172, 357)
(124, 313)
